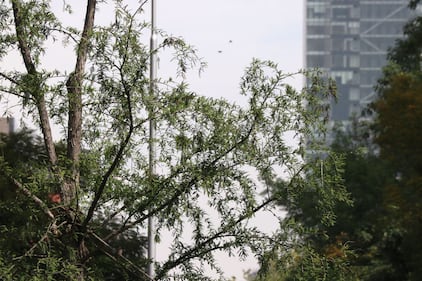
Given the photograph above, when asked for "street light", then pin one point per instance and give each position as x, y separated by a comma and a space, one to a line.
152, 146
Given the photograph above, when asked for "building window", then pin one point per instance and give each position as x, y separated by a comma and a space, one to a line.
338, 44
316, 44
340, 13
354, 94
353, 27
342, 76
355, 12
316, 61
316, 29
317, 11
339, 28
354, 61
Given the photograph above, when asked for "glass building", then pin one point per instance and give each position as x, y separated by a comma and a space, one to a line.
349, 39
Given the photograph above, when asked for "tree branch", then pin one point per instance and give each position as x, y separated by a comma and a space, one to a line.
16, 94
10, 79
65, 32
198, 249
105, 179
181, 190
109, 250
118, 156
37, 94
33, 197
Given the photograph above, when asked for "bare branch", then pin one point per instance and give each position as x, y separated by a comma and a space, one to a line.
28, 253
105, 179
9, 78
33, 197
112, 216
109, 249
20, 33
155, 211
52, 227
65, 32
8, 91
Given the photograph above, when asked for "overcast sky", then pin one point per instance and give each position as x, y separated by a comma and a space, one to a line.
229, 33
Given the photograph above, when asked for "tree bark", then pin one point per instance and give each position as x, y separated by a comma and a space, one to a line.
74, 88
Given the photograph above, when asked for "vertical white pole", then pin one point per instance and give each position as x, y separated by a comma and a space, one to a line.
152, 125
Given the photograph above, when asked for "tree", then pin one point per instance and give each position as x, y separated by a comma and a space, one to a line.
407, 51
413, 3
366, 241
400, 104
367, 227
205, 148
25, 152
320, 251
318, 220
399, 109
20, 225
376, 237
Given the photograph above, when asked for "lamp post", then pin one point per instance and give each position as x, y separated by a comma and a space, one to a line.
152, 127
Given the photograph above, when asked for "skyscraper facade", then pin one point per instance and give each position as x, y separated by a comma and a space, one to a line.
349, 39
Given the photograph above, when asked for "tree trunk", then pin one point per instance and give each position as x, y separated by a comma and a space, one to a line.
74, 87
74, 138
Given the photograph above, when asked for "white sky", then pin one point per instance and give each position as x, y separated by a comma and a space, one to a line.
264, 29
228, 34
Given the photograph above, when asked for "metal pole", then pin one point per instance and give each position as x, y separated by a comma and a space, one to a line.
152, 145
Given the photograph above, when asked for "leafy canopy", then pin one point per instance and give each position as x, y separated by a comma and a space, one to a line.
206, 149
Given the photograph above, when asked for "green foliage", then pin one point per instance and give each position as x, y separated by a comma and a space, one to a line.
364, 241
413, 3
312, 204
397, 133
375, 238
406, 52
208, 151
26, 249
382, 178
29, 252
305, 264
400, 104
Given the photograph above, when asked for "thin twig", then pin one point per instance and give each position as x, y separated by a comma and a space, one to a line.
65, 32
28, 253
108, 246
34, 198
9, 78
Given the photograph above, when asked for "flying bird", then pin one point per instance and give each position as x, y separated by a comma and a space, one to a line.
220, 51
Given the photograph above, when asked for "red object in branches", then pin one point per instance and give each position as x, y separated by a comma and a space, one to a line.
55, 197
